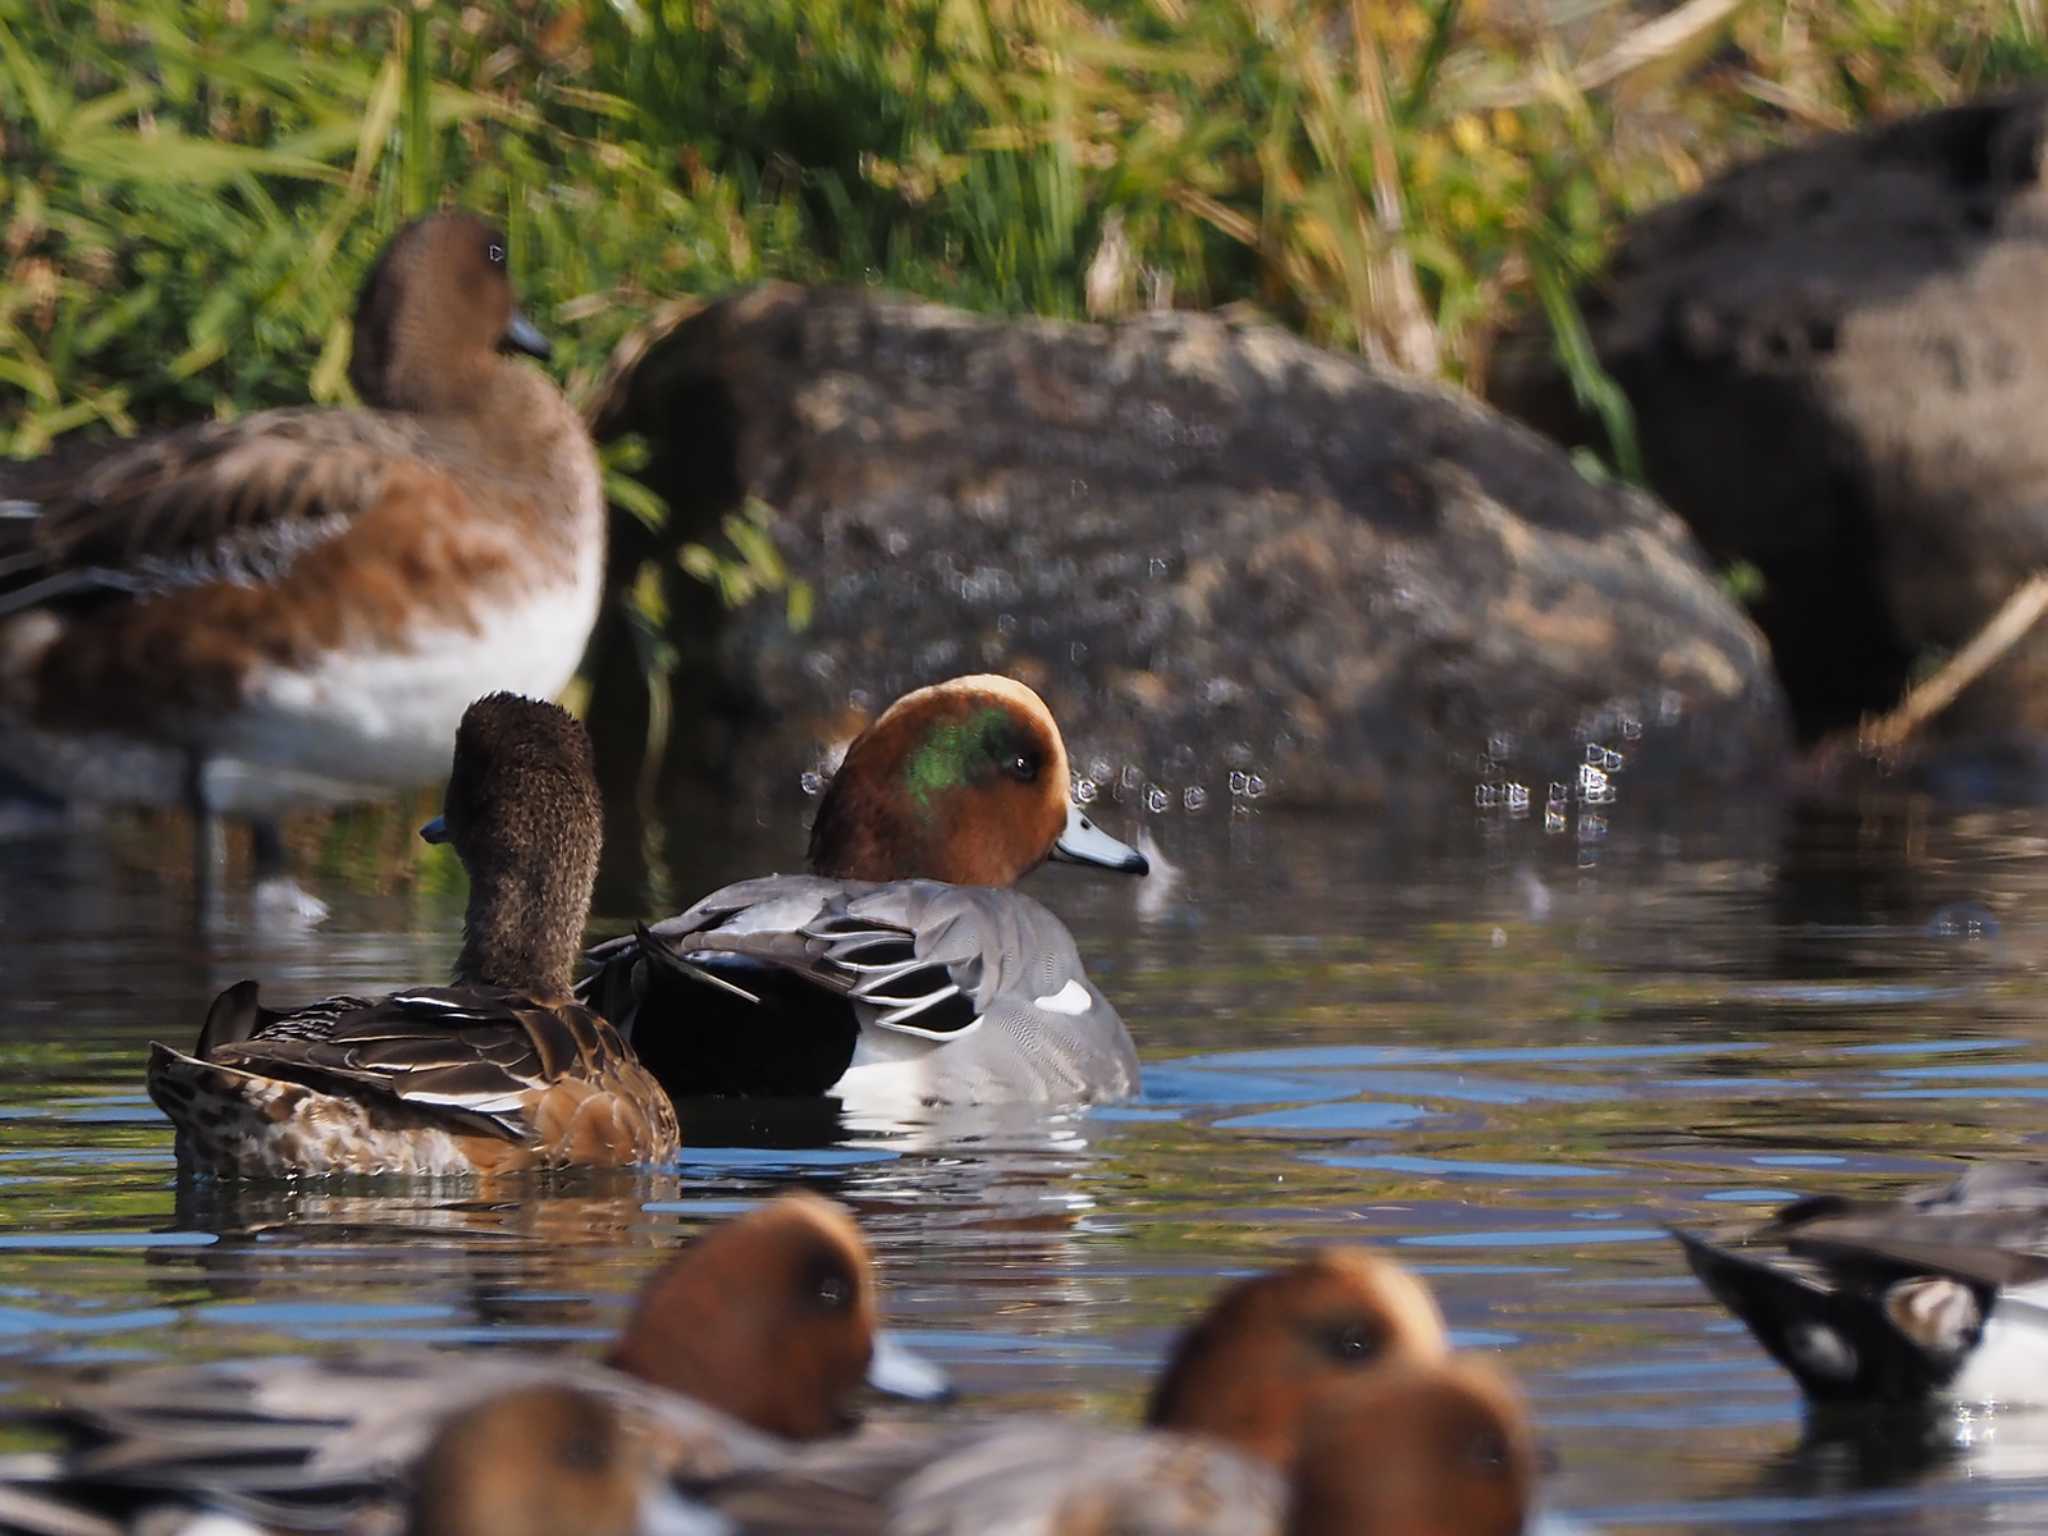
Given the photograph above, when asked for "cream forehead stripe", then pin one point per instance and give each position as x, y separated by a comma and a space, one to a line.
1006, 689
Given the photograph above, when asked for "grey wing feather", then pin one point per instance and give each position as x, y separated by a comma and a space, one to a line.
1030, 1479
303, 1444
919, 957
1990, 1225
989, 943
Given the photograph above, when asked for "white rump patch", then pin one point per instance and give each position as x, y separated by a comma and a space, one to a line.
1072, 999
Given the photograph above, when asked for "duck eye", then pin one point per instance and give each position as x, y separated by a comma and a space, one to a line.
1350, 1343
834, 1293
1488, 1451
494, 253
1021, 766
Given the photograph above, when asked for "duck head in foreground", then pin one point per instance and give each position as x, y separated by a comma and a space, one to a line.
499, 1071
772, 1317
903, 972
1245, 1372
545, 1460
1434, 1448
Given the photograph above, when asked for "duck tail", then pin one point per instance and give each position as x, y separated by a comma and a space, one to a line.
185, 1086
665, 961
231, 1020
1840, 1344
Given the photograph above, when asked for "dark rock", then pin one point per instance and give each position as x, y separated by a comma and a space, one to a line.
1220, 553
1838, 357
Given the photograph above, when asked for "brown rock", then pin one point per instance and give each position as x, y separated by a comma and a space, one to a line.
1219, 552
1838, 357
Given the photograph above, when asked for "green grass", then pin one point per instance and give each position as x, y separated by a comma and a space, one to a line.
192, 192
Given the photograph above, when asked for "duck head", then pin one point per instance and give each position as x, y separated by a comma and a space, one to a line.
1438, 1448
523, 811
772, 1318
543, 1460
1247, 1370
965, 781
434, 311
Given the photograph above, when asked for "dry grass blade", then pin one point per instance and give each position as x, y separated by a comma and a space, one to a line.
1666, 42
1411, 332
2013, 622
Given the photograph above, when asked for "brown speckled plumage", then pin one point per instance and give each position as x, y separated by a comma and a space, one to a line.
174, 574
497, 1072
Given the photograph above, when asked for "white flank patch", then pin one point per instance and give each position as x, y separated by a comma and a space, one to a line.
354, 726
2010, 1365
1072, 1000
388, 718
889, 1078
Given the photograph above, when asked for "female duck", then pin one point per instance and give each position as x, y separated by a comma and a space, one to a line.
500, 1071
902, 971
1940, 1294
295, 607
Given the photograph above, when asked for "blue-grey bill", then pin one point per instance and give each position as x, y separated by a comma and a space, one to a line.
435, 831
896, 1372
522, 335
1085, 843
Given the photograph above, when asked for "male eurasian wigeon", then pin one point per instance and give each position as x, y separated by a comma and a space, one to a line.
761, 1333
1225, 1423
294, 608
502, 1070
903, 971
1939, 1294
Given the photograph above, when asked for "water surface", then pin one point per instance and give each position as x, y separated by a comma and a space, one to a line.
1506, 1055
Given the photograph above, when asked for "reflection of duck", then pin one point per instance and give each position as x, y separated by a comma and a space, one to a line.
500, 1071
761, 1332
294, 608
1942, 1293
903, 971
527, 1256
1229, 1415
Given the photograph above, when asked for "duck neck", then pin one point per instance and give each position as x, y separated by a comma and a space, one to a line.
524, 927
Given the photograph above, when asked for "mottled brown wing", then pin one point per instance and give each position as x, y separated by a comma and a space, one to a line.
227, 501
472, 1054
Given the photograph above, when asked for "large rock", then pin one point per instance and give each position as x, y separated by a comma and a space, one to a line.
1838, 358
1229, 560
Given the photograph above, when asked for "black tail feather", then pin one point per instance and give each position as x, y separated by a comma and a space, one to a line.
1839, 1344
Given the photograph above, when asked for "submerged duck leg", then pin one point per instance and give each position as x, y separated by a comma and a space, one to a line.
209, 840
279, 897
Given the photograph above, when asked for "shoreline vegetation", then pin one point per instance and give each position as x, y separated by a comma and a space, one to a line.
193, 192
189, 195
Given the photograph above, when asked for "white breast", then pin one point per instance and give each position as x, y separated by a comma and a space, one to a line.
2010, 1364
359, 723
